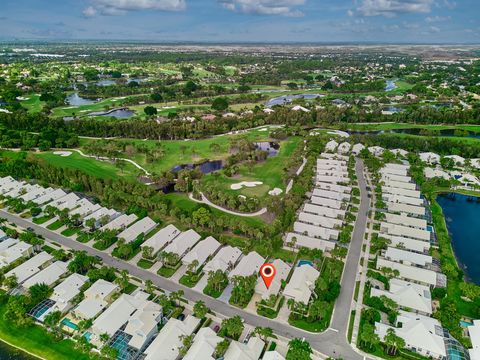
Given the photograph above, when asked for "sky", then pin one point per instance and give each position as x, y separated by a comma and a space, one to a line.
322, 21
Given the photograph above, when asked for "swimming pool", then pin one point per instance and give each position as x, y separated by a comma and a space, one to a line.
68, 323
464, 323
304, 262
88, 336
430, 228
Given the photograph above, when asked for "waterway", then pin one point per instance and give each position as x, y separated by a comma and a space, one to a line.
285, 99
8, 352
461, 214
390, 85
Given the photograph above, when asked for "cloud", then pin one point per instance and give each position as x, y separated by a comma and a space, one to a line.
391, 8
437, 19
121, 7
264, 7
434, 29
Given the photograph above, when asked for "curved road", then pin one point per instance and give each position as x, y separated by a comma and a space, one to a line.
332, 343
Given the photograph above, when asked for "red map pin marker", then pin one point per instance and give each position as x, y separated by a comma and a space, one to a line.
267, 272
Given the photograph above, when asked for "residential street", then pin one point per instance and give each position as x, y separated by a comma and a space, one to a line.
332, 343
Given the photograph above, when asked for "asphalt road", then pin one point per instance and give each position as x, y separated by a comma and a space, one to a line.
332, 343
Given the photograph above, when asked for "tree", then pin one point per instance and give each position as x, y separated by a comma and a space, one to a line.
221, 348
39, 292
147, 252
192, 267
11, 282
104, 337
368, 336
123, 280
263, 333
299, 350
82, 262
91, 223
217, 280
200, 310
149, 287
233, 327
109, 352
393, 342
317, 310
187, 341
150, 110
176, 296
220, 104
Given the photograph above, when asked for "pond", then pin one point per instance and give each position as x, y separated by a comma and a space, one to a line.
206, 167
271, 147
419, 131
390, 85
8, 352
123, 113
76, 100
461, 214
282, 100
393, 109
106, 83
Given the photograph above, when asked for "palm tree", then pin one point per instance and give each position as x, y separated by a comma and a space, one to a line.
393, 342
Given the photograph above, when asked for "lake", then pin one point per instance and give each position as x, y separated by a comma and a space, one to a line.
76, 100
116, 113
462, 214
390, 85
282, 100
8, 352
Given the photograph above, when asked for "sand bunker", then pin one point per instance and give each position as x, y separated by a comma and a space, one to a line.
62, 153
275, 192
249, 184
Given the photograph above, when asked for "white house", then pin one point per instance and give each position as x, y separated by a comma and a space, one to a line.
474, 332
331, 194
324, 211
282, 271
68, 201
241, 351
344, 148
318, 220
204, 345
65, 292
430, 158
166, 345
162, 238
357, 148
272, 355
458, 160
183, 243
407, 243
401, 192
51, 196
224, 260
248, 265
143, 226
12, 249
408, 295
334, 204
334, 187
96, 299
30, 267
129, 309
301, 284
405, 231
315, 231
202, 251
407, 257
120, 223
406, 221
310, 242
331, 146
411, 273
418, 211
422, 334
376, 150
48, 276
431, 173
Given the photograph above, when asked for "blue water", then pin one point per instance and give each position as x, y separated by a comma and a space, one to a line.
462, 214
305, 262
390, 85
285, 99
88, 336
8, 352
430, 228
465, 323
69, 324
76, 100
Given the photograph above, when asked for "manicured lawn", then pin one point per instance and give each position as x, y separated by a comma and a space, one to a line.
398, 126
70, 231
166, 271
33, 103
41, 219
97, 168
213, 293
84, 237
145, 264
55, 225
130, 288
37, 340
190, 280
